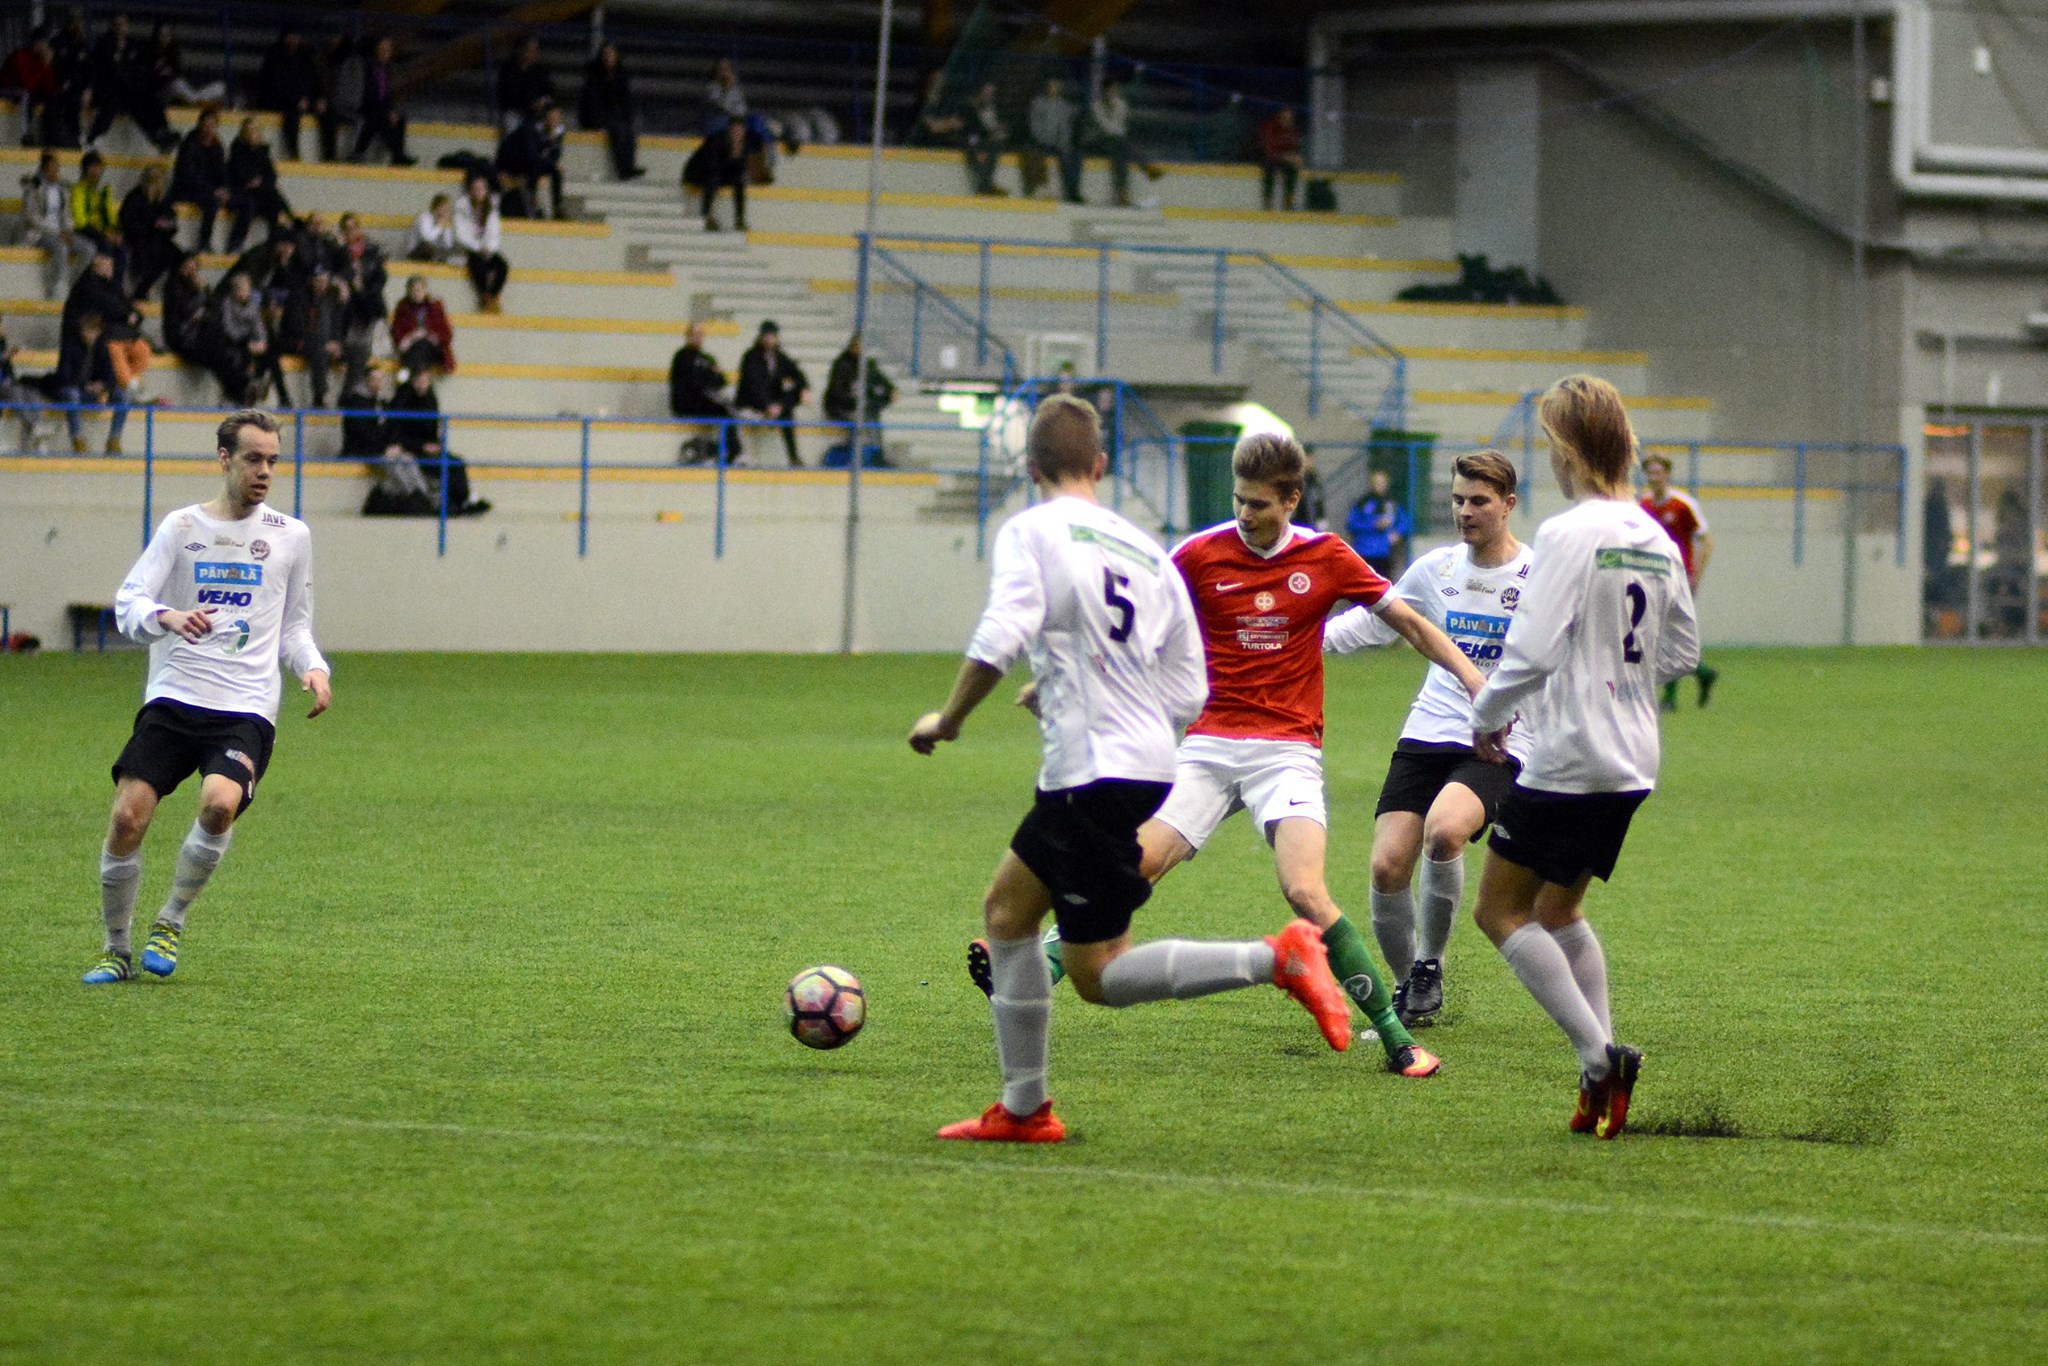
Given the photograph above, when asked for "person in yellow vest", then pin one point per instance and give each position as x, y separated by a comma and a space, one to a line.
94, 215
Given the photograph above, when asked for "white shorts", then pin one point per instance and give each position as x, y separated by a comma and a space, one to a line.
1272, 779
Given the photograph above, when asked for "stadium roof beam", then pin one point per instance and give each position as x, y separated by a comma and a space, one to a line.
1539, 14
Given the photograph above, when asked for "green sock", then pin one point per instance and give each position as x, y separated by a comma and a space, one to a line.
1351, 963
1671, 694
1052, 955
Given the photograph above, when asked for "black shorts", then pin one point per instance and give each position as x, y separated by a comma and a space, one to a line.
1562, 836
1082, 843
172, 741
1421, 768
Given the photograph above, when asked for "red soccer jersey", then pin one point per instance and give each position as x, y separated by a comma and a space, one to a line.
1680, 517
1262, 627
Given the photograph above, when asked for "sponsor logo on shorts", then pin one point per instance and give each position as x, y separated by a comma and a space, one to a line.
1264, 602
1074, 899
244, 760
1297, 582
259, 550
196, 546
214, 571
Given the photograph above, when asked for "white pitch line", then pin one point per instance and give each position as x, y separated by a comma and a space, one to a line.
1786, 1223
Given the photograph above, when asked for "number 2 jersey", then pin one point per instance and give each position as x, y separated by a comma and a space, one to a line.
1607, 619
257, 575
1262, 615
1473, 605
1110, 634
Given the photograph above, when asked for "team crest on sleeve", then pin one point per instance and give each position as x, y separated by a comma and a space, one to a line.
1297, 582
259, 550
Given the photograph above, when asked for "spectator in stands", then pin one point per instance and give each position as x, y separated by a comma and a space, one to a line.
1379, 526
319, 245
71, 55
608, 104
724, 100
840, 403
252, 184
359, 264
366, 433
530, 155
1052, 136
1109, 116
293, 84
199, 176
273, 267
149, 228
46, 209
987, 135
377, 115
322, 330
84, 377
245, 363
420, 333
1279, 146
30, 77
122, 83
16, 395
187, 315
721, 159
99, 293
694, 382
415, 424
478, 231
935, 123
772, 385
523, 83
167, 68
93, 217
433, 233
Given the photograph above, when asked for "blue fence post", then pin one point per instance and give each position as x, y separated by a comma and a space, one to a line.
441, 458
1692, 468
1169, 446
981, 315
1216, 333
148, 473
1899, 554
1799, 504
981, 497
1315, 355
917, 331
298, 462
1102, 309
583, 495
1414, 503
727, 437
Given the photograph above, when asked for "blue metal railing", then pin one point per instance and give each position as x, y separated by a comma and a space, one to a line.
932, 316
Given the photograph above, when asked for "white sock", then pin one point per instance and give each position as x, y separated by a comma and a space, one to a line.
1443, 887
1182, 969
120, 876
1589, 967
198, 856
1393, 924
1020, 998
1545, 971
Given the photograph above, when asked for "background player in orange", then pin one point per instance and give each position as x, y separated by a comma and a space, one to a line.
1678, 512
1262, 589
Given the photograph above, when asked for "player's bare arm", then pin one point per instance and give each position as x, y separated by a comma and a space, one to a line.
1430, 643
976, 681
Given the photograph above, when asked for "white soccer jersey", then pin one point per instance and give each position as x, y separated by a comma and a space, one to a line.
1106, 620
258, 575
1608, 618
1471, 604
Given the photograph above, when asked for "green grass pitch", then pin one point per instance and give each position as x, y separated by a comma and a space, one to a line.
475, 1051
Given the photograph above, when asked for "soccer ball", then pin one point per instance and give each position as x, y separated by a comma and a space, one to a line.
825, 1006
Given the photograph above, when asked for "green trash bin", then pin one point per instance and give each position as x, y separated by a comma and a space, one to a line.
1208, 446
1402, 454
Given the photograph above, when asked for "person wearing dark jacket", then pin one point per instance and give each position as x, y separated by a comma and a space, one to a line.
186, 301
322, 330
71, 59
721, 159
415, 424
608, 104
359, 264
522, 84
252, 184
772, 386
377, 114
199, 176
31, 71
123, 83
149, 228
840, 403
292, 82
531, 154
694, 381
367, 434
98, 292
85, 376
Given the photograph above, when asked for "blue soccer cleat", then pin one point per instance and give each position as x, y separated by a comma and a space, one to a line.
110, 967
160, 954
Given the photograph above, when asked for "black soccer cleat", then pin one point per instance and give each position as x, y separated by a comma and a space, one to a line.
978, 969
1708, 678
1423, 993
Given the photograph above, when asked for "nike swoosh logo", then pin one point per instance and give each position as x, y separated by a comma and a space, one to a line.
1226, 587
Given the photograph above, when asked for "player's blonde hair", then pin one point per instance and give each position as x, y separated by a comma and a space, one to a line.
1066, 438
1584, 418
1273, 460
1488, 467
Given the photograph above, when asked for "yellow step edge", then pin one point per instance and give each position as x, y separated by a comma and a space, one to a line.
1508, 398
1189, 214
777, 194
1410, 309
1485, 353
535, 322
845, 242
1413, 265
946, 156
336, 467
639, 279
1037, 293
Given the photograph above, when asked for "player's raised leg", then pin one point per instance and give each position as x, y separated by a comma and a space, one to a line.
135, 804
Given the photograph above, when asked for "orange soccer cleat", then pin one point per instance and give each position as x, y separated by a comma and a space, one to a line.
1413, 1060
1301, 968
1624, 1064
1587, 1112
997, 1125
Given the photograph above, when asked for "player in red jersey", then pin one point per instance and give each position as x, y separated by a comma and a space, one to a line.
1262, 589
1678, 512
